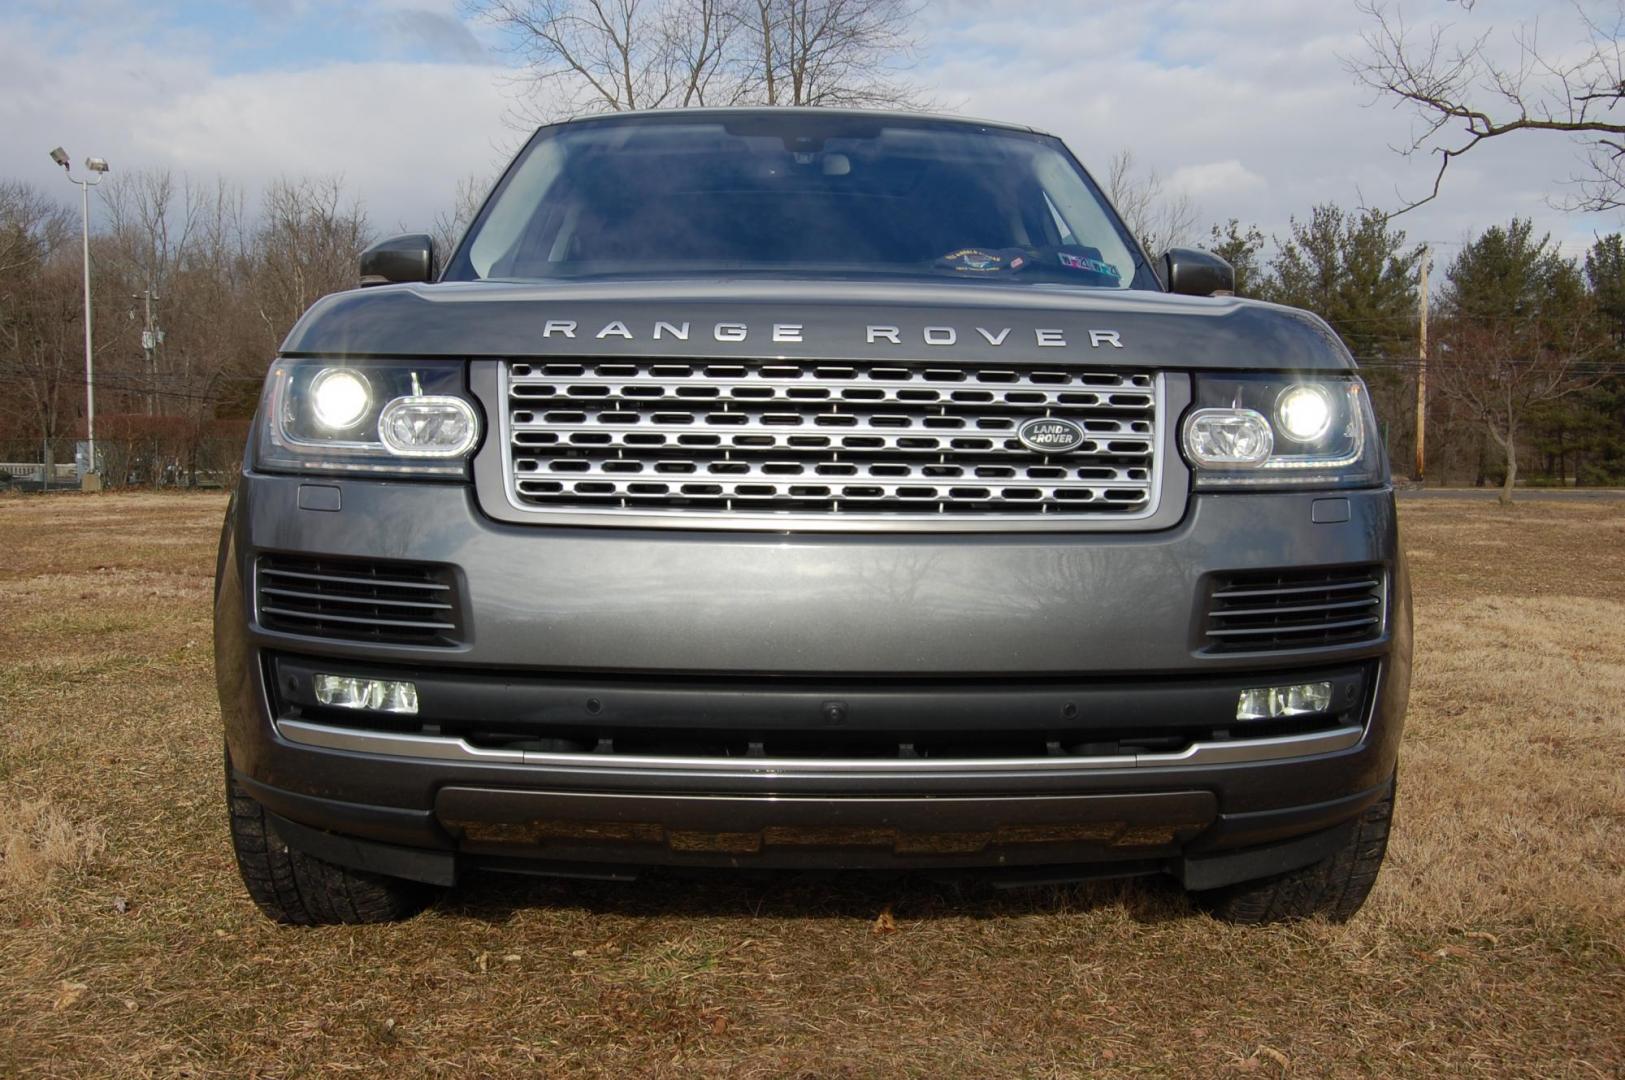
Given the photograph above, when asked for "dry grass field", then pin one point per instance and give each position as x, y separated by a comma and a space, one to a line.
1493, 946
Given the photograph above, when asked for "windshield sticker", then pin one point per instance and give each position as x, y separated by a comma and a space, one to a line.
974, 260
982, 261
1091, 264
978, 261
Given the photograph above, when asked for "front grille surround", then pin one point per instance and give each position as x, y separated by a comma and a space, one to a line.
826, 443
370, 601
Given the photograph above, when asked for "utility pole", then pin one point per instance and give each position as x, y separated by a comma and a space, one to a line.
151, 338
1422, 367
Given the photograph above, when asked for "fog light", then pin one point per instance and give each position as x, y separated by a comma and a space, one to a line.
1232, 438
1272, 702
379, 695
339, 397
422, 426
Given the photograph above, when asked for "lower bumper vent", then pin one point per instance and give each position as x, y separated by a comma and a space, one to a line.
1266, 610
395, 603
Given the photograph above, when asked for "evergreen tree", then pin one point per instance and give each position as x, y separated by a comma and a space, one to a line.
1597, 418
1242, 249
1355, 272
1517, 323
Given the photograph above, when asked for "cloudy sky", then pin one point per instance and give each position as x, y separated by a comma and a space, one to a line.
1243, 104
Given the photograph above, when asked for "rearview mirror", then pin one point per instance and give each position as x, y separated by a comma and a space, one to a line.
1197, 273
398, 259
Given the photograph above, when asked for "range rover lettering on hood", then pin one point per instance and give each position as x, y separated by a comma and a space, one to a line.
796, 333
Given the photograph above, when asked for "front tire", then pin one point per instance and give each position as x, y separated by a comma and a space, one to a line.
1333, 888
292, 887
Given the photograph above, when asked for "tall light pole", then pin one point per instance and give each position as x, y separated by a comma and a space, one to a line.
1422, 366
98, 167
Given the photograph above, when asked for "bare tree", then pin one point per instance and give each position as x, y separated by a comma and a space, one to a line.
215, 345
39, 361
150, 221
826, 52
617, 55
613, 55
309, 241
1491, 373
31, 223
40, 309
449, 227
1516, 334
1467, 90
699, 39
1159, 218
231, 283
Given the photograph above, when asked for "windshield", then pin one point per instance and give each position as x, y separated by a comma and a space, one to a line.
800, 193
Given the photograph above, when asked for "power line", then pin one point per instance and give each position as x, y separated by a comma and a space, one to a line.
136, 388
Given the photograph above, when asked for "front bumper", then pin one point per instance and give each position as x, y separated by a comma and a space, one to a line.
944, 632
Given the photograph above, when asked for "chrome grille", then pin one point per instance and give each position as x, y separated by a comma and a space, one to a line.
882, 440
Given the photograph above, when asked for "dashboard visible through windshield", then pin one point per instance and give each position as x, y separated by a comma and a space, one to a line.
801, 193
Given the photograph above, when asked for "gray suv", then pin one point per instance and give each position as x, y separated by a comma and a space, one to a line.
808, 488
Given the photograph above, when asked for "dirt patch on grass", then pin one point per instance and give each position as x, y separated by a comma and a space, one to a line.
1492, 946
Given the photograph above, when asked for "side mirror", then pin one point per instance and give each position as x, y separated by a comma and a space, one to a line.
398, 259
1197, 273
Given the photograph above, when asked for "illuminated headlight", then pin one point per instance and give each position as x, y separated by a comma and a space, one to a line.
1262, 430
1274, 702
376, 695
1304, 412
339, 398
395, 418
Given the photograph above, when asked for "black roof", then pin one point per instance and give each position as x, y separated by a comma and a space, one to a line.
707, 113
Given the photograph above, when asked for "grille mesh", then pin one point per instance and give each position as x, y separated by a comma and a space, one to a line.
357, 600
1295, 609
849, 438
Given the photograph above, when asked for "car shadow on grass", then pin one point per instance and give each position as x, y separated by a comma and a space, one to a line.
784, 894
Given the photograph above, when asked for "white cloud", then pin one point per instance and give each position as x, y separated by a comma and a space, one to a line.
1247, 102
400, 133
1216, 179
1243, 104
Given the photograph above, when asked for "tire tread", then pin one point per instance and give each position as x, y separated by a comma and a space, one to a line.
292, 887
1334, 888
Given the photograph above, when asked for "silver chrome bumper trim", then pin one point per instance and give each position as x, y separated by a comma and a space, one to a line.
438, 748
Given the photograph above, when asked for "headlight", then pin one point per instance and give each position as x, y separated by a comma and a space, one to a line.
1215, 438
339, 398
404, 418
1259, 430
1304, 413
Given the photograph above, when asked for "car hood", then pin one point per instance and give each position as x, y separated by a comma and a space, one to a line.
823, 319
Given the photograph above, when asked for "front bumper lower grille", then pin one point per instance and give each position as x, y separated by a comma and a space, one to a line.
1295, 609
756, 725
387, 603
813, 438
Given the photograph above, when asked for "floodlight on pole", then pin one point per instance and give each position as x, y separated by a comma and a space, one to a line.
98, 166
